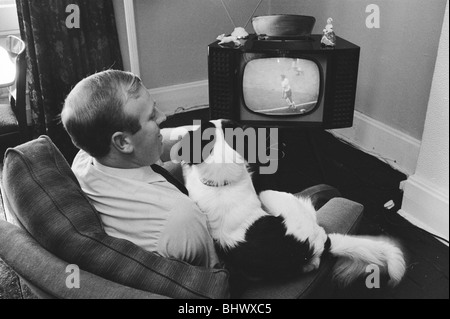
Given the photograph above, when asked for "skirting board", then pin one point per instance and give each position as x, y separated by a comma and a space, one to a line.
425, 206
177, 98
398, 149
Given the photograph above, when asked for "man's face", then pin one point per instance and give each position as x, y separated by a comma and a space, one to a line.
147, 142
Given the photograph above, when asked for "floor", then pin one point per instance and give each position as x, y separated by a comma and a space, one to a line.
310, 158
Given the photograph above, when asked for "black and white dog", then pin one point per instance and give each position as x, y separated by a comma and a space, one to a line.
272, 234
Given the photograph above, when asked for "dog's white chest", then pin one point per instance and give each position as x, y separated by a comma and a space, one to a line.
230, 209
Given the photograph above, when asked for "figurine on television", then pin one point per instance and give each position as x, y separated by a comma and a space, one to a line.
233, 40
329, 37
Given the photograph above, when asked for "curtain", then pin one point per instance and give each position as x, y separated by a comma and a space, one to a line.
58, 57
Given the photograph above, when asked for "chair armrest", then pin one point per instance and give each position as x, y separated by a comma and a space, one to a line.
46, 274
340, 215
319, 194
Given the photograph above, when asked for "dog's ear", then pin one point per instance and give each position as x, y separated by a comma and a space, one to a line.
241, 140
227, 123
197, 144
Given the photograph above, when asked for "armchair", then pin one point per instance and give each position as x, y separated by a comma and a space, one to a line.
56, 226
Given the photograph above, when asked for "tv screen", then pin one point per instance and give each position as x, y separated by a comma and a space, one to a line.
284, 83
281, 86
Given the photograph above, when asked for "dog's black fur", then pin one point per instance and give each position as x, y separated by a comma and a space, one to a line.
267, 252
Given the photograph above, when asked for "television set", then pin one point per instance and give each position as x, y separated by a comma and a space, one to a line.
284, 82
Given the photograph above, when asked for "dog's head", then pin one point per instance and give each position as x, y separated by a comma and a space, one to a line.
218, 141
216, 147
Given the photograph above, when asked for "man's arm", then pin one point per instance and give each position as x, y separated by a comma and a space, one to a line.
186, 238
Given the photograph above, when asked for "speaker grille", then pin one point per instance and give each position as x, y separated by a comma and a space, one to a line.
221, 83
345, 87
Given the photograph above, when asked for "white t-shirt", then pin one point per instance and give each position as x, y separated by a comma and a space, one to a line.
285, 85
143, 207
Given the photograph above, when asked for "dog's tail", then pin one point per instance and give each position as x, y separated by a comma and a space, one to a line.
357, 253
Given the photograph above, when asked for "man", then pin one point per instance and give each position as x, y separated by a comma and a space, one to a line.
287, 91
112, 118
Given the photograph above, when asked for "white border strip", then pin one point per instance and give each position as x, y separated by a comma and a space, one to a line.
400, 150
426, 206
187, 96
130, 22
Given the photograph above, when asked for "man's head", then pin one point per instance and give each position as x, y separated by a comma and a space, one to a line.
111, 115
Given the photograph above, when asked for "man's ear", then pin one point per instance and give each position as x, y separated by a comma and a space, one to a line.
122, 143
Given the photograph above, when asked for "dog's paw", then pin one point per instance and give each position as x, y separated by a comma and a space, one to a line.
275, 203
313, 265
269, 202
309, 268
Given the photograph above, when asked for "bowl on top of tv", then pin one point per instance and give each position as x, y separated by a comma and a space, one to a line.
283, 25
